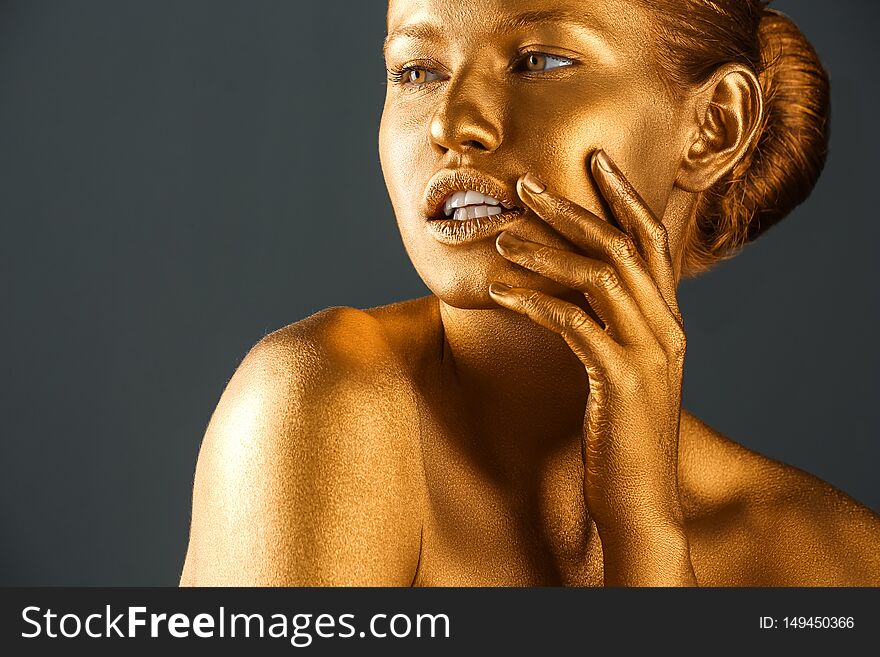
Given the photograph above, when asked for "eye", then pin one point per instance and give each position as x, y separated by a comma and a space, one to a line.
414, 76
537, 61
420, 76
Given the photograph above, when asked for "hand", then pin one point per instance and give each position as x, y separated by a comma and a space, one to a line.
634, 361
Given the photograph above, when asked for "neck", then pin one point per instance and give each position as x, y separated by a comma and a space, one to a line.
521, 384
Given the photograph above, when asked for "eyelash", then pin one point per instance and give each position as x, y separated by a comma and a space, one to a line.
397, 75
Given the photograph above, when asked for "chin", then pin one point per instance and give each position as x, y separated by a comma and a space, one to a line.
461, 279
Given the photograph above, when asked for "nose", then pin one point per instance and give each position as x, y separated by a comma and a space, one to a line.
467, 120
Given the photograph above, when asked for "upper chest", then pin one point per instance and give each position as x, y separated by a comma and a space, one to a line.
488, 523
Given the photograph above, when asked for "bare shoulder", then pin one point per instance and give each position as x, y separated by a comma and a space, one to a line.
310, 472
754, 521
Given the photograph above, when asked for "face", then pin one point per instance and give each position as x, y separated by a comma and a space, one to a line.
479, 93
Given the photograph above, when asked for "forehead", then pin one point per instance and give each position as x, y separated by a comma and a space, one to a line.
603, 14
622, 23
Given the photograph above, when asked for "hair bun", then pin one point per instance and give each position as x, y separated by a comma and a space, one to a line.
788, 155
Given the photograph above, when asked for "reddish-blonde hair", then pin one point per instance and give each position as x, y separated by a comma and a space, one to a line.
791, 144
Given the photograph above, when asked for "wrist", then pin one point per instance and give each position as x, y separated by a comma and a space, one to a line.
640, 516
655, 554
654, 535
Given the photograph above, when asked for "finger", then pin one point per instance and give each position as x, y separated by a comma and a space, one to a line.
578, 225
639, 221
600, 239
595, 348
596, 279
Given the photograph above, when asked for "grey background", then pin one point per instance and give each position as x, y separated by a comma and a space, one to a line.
178, 178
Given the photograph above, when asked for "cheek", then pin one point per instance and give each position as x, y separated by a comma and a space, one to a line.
407, 162
404, 135
407, 165
560, 134
650, 158
396, 154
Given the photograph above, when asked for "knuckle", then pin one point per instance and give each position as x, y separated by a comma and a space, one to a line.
562, 206
605, 277
541, 256
652, 370
659, 364
623, 248
532, 300
677, 342
573, 319
629, 378
659, 235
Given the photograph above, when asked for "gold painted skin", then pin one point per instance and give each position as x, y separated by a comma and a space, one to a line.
439, 441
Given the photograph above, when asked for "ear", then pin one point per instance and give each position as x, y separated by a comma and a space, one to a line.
728, 111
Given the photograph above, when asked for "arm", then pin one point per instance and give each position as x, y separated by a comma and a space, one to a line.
306, 475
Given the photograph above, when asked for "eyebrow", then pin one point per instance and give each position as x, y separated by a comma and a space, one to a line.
429, 31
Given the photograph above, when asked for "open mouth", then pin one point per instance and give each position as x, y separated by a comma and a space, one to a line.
470, 205
463, 205
467, 216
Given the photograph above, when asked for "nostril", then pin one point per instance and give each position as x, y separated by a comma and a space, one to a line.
473, 143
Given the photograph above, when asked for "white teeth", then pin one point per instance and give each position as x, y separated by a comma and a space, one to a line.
473, 198
469, 198
475, 212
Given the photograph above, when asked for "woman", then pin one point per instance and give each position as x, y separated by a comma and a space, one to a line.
555, 169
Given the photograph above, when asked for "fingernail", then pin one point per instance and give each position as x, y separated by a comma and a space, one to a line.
604, 161
499, 289
507, 240
532, 183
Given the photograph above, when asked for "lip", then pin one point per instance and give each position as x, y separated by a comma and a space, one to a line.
450, 231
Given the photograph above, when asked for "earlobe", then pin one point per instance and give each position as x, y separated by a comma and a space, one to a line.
729, 114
